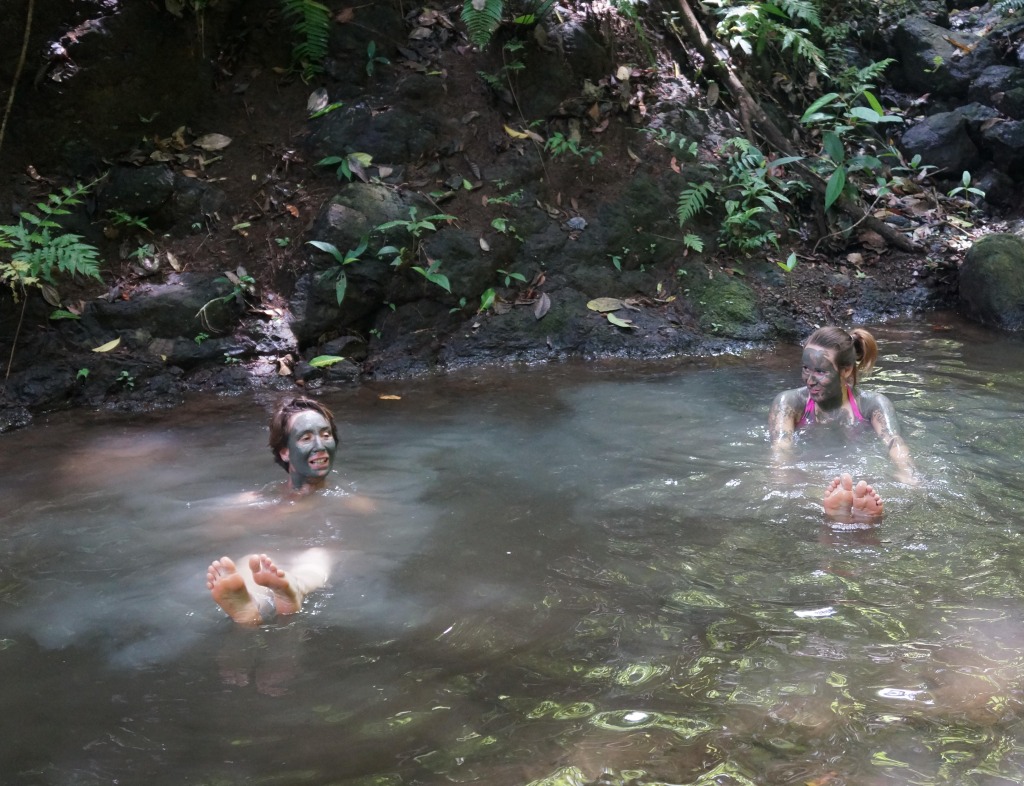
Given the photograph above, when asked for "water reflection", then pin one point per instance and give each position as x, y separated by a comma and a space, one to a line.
567, 576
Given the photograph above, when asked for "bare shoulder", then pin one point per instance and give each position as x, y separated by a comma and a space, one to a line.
790, 399
784, 414
870, 401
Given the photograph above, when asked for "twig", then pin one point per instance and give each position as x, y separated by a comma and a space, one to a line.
14, 341
17, 73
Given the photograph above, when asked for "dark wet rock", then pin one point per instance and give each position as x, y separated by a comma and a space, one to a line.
12, 418
193, 203
398, 133
992, 281
942, 140
1005, 143
137, 191
1001, 87
1000, 189
929, 63
186, 305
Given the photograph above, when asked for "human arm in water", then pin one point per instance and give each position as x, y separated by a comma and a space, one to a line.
878, 409
783, 417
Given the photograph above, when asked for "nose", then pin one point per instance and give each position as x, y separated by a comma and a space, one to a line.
318, 443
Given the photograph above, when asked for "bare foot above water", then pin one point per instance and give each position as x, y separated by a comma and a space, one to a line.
287, 599
228, 588
843, 498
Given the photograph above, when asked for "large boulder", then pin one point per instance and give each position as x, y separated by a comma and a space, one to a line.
931, 59
943, 141
992, 281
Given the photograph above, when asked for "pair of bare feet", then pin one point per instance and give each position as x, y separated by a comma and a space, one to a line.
253, 593
843, 499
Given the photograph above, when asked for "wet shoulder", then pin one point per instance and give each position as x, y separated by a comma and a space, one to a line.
868, 401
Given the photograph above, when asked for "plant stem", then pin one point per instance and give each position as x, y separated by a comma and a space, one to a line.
17, 74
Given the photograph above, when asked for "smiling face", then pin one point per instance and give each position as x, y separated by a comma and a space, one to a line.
823, 380
311, 448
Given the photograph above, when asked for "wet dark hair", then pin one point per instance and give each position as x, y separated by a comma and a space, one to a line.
279, 423
856, 349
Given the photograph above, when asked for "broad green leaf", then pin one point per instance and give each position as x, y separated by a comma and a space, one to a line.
813, 109
61, 313
358, 250
323, 361
442, 281
328, 248
835, 186
340, 286
833, 146
866, 114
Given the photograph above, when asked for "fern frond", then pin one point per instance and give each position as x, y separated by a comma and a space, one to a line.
311, 24
803, 47
692, 200
872, 71
482, 18
801, 9
1009, 6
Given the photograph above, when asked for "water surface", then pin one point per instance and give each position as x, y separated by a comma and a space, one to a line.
554, 576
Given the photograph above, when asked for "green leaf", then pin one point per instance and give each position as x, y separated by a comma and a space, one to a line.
833, 146
442, 281
487, 299
874, 102
866, 114
61, 313
835, 186
328, 248
871, 163
690, 240
340, 285
786, 160
323, 361
812, 113
619, 322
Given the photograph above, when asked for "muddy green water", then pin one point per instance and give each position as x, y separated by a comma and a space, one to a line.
552, 576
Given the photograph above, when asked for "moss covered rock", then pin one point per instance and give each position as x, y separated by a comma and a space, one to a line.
992, 281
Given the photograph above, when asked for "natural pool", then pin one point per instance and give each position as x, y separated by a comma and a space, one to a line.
567, 575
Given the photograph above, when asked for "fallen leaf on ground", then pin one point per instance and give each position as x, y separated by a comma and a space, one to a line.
542, 306
210, 142
603, 304
619, 322
108, 346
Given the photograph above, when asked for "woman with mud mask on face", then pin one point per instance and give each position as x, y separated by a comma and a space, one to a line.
831, 360
303, 439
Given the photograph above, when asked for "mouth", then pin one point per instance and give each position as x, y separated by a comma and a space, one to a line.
319, 461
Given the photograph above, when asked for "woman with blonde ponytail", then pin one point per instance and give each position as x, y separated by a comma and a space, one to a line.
832, 358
